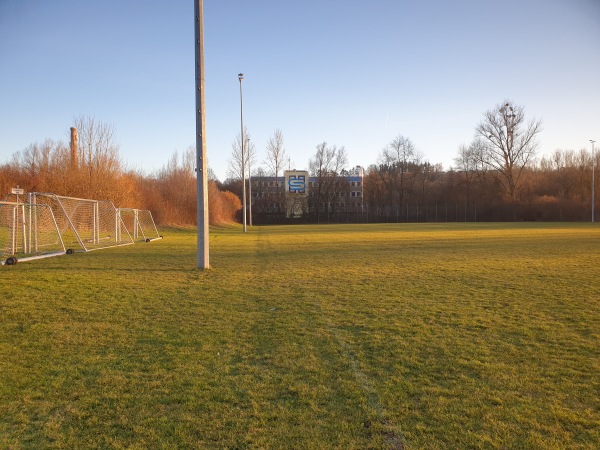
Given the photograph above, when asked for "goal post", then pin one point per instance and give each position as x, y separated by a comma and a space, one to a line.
48, 224
89, 224
140, 224
28, 231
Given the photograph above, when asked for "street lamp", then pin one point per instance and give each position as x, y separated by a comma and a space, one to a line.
592, 141
241, 77
249, 182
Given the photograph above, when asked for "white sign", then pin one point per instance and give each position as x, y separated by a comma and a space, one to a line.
18, 191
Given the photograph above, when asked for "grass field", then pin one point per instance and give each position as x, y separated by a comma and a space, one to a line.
361, 336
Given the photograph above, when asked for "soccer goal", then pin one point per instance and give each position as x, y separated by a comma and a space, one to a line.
140, 224
28, 232
89, 224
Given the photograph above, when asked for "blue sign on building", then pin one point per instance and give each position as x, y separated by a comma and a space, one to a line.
297, 184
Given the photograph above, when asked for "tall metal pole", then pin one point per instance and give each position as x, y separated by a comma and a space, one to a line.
593, 186
241, 77
201, 161
249, 183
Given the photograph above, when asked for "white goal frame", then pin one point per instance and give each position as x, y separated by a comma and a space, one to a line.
91, 224
28, 232
140, 224
48, 225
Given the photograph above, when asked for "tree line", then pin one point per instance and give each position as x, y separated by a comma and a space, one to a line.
496, 177
96, 171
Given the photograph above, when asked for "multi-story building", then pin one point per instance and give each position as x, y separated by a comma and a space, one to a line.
296, 195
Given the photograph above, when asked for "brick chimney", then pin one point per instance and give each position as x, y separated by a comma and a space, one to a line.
74, 153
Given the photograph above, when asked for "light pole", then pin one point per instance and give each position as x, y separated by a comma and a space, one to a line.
249, 181
593, 187
241, 77
202, 257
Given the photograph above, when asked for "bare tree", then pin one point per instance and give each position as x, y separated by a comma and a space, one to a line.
234, 165
98, 157
240, 163
175, 189
328, 160
509, 144
42, 167
326, 165
276, 155
36, 162
275, 162
212, 176
466, 163
396, 161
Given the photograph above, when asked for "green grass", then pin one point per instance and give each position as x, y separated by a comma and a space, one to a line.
362, 336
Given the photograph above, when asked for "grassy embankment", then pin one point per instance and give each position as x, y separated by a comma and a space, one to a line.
367, 336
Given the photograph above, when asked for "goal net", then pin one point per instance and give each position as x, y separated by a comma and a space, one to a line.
139, 223
28, 231
90, 224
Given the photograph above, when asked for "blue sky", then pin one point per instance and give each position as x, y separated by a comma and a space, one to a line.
351, 73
